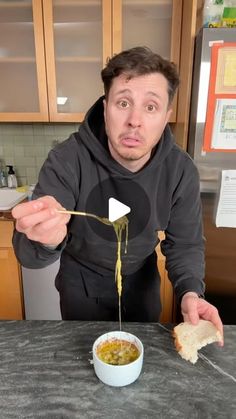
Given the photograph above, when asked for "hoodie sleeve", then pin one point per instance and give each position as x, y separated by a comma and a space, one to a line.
184, 245
59, 177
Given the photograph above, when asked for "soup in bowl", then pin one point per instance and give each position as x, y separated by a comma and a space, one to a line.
118, 358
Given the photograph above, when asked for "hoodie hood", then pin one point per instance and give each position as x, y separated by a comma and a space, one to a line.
93, 135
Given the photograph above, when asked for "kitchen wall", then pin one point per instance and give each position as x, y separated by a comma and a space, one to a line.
25, 146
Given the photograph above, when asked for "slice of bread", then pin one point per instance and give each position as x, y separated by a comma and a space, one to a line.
190, 338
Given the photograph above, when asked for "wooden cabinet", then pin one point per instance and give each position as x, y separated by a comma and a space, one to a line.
191, 22
51, 55
11, 301
166, 291
52, 51
22, 63
77, 44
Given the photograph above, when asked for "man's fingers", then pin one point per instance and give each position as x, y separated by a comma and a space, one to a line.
52, 237
34, 206
40, 220
189, 308
28, 208
215, 319
194, 308
28, 221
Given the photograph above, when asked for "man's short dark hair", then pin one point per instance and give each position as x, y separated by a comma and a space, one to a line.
140, 61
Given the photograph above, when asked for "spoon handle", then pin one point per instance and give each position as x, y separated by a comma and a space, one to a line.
87, 214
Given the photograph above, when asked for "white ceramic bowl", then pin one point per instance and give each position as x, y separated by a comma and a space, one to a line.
118, 375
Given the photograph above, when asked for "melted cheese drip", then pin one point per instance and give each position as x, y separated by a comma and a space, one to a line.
119, 226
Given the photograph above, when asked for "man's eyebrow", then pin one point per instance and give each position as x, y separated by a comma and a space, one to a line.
125, 91
154, 94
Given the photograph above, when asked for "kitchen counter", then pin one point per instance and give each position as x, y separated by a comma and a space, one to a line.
6, 215
45, 372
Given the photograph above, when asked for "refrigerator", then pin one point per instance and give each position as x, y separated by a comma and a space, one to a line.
220, 241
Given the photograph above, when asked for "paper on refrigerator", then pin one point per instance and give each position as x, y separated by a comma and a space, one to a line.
224, 129
226, 209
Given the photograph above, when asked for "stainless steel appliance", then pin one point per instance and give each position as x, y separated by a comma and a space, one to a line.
41, 299
220, 242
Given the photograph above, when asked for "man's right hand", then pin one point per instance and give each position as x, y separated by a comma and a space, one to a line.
40, 221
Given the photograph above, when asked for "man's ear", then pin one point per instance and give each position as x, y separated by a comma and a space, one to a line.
168, 115
104, 109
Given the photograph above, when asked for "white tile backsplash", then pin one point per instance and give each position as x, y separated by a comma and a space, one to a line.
26, 146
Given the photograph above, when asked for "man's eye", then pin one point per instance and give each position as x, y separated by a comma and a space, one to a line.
123, 104
151, 108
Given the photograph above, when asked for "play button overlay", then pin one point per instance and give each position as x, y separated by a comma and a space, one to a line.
114, 198
116, 209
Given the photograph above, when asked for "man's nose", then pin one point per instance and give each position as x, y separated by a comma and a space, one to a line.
134, 118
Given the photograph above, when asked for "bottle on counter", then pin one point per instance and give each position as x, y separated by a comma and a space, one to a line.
3, 179
11, 177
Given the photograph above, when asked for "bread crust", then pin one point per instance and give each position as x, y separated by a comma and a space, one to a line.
176, 341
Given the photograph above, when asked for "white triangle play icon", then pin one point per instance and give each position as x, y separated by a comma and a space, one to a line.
116, 209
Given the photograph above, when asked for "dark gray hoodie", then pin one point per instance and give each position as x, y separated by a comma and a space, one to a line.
164, 195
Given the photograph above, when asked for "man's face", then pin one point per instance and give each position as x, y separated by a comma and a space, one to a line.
136, 113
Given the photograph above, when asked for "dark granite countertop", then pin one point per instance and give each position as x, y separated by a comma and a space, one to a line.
45, 372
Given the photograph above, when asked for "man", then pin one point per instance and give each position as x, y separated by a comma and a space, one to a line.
123, 149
